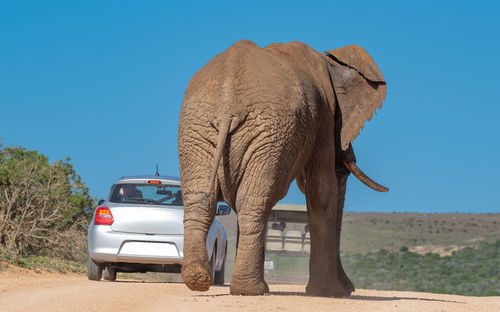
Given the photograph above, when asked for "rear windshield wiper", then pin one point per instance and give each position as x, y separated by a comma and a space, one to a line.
146, 200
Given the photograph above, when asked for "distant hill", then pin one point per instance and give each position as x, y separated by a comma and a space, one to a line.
440, 233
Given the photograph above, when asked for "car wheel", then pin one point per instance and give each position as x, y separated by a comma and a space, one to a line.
212, 264
219, 275
94, 270
109, 274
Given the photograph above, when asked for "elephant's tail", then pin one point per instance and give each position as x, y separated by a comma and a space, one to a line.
226, 97
224, 126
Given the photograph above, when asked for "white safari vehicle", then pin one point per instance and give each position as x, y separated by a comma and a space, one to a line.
139, 228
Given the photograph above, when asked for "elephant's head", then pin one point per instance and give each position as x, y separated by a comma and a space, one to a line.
360, 89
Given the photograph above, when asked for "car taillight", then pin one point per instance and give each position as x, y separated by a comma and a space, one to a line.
103, 216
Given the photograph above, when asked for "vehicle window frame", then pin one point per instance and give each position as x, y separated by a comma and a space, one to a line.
122, 199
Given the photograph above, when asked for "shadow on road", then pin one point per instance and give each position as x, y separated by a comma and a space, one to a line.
378, 298
359, 297
355, 297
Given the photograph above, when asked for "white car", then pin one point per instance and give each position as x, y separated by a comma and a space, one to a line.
139, 228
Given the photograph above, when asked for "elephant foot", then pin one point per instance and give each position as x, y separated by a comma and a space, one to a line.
348, 285
246, 289
328, 288
196, 276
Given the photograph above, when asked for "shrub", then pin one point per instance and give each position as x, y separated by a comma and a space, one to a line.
44, 207
470, 271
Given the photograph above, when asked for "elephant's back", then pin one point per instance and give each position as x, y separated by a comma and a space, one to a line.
258, 79
273, 103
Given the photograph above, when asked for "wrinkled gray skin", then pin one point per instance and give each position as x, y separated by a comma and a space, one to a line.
253, 120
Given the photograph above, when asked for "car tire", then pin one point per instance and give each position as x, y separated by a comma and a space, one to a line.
212, 264
219, 275
109, 274
94, 270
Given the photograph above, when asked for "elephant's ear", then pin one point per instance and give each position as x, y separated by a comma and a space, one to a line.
359, 87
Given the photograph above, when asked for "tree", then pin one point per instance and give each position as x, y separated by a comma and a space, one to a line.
44, 207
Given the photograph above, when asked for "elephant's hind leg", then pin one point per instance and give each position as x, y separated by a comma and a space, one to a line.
248, 276
199, 214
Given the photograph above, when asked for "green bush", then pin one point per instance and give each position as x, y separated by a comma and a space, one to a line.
44, 207
473, 272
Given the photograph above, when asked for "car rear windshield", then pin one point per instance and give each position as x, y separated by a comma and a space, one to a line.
149, 194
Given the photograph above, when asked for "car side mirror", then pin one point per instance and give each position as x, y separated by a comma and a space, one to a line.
223, 210
100, 202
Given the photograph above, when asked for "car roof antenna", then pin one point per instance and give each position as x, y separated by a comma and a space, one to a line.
157, 174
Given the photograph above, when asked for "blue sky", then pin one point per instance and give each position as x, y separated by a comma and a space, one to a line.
102, 82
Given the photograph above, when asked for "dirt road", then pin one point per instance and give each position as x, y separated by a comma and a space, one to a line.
23, 290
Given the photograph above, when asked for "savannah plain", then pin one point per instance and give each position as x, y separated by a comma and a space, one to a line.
440, 233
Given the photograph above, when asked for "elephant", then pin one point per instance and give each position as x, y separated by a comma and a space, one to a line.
253, 120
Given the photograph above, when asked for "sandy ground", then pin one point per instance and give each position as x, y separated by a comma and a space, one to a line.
24, 290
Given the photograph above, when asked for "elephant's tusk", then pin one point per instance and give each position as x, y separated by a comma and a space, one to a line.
354, 169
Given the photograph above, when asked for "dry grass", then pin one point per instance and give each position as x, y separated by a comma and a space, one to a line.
422, 233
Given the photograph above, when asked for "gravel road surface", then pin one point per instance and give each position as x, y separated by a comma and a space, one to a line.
24, 290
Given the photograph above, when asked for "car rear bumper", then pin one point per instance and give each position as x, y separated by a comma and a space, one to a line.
110, 246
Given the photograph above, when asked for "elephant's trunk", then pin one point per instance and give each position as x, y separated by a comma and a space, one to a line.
354, 169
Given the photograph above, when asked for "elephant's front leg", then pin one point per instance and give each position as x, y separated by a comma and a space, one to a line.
342, 175
322, 194
248, 276
199, 212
